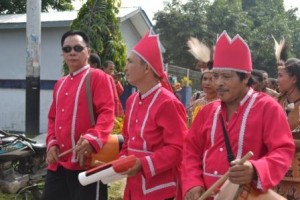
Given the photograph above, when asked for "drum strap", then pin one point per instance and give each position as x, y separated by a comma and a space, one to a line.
89, 97
230, 155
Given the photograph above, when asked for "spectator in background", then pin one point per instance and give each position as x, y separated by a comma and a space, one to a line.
273, 84
265, 88
257, 77
289, 87
95, 61
109, 68
207, 95
289, 99
204, 55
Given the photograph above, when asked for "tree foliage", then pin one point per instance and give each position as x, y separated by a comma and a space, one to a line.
256, 21
98, 18
19, 6
175, 24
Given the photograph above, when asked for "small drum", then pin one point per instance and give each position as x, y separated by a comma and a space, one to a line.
230, 191
109, 151
247, 192
289, 187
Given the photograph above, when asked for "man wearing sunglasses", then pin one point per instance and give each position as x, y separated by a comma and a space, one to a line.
70, 127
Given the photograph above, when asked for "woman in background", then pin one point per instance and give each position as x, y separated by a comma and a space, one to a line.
204, 55
207, 95
289, 98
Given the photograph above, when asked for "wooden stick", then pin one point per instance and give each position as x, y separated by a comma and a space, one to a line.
208, 193
65, 153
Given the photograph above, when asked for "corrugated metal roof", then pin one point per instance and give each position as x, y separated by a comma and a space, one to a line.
59, 16
136, 15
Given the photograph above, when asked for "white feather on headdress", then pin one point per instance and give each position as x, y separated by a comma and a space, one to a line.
199, 50
279, 48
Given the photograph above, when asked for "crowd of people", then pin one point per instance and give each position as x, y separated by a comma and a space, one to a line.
235, 113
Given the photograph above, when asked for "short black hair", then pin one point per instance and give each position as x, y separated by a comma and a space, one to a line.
108, 62
95, 59
292, 67
75, 32
263, 71
258, 74
242, 76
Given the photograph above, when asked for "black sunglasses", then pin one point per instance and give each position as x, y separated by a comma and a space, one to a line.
68, 49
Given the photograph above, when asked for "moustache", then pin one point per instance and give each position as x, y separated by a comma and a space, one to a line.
221, 90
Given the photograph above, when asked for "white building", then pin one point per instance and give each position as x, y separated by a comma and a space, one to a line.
133, 25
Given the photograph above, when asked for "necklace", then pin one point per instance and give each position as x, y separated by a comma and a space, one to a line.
289, 106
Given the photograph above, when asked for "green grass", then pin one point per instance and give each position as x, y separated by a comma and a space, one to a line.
116, 189
6, 196
115, 192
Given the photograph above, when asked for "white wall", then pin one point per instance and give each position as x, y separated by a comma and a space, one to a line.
13, 66
130, 35
51, 56
13, 53
12, 104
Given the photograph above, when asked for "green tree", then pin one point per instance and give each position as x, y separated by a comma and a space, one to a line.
294, 27
176, 24
256, 21
228, 15
98, 18
269, 18
19, 6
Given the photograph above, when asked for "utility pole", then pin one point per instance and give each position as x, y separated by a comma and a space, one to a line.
33, 52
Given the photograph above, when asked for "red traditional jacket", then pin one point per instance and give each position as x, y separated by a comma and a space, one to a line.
154, 130
69, 117
119, 88
116, 90
259, 125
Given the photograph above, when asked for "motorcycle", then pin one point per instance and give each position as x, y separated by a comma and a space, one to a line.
22, 165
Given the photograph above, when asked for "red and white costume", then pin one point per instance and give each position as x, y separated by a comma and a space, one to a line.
117, 91
154, 130
259, 125
69, 117
119, 88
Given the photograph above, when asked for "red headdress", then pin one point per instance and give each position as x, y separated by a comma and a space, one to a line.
232, 54
149, 49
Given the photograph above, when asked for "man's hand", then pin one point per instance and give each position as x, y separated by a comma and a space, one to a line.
52, 155
83, 150
241, 174
135, 169
194, 193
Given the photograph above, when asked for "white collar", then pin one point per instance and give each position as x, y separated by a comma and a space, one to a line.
143, 96
246, 97
79, 70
